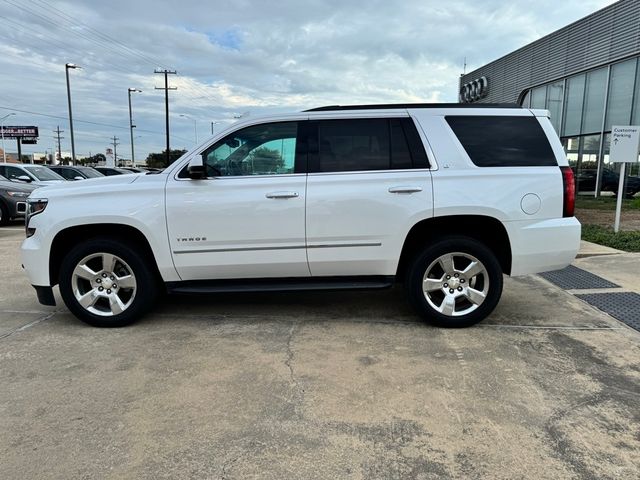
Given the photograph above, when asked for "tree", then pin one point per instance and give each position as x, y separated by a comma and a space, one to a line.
264, 160
98, 158
158, 160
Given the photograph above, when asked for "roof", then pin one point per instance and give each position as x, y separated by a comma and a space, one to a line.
388, 106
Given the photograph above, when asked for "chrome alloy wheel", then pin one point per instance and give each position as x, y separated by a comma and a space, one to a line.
103, 284
455, 284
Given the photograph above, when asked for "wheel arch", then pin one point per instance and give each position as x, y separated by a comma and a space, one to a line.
71, 236
488, 230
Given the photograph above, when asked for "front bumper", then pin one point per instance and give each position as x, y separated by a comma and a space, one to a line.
21, 209
45, 295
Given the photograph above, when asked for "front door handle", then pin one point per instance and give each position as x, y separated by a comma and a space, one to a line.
405, 189
282, 195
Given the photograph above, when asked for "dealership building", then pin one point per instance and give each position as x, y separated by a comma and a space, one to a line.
586, 74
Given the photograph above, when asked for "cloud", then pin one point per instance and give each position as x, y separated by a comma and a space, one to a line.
234, 56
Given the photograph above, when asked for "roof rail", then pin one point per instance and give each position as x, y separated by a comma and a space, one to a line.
384, 106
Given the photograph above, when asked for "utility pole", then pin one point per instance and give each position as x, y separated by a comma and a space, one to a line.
115, 150
132, 126
67, 66
57, 131
166, 89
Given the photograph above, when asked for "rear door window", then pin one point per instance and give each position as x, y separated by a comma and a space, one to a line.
366, 144
503, 141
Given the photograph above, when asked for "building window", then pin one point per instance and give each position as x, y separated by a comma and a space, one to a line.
539, 97
554, 103
635, 113
594, 100
573, 105
621, 83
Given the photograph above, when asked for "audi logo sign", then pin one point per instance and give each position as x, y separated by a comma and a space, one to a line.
472, 91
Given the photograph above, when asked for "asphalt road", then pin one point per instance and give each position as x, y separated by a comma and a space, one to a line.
318, 385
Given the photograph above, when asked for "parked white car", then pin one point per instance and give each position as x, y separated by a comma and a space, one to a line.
38, 175
442, 198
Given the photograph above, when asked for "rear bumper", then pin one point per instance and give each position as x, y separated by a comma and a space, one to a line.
541, 246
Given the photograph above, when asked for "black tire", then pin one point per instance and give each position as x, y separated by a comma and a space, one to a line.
146, 282
448, 245
4, 214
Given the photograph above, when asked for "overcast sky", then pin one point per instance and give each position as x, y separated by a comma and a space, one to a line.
244, 56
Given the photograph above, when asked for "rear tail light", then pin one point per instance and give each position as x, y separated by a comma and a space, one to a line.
569, 192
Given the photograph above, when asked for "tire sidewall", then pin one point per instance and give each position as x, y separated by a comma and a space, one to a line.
146, 284
415, 276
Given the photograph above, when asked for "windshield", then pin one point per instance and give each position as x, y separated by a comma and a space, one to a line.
43, 173
90, 172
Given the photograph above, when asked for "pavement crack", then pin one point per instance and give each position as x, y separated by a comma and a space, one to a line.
28, 325
228, 464
289, 362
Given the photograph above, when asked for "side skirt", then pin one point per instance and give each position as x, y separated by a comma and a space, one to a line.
280, 284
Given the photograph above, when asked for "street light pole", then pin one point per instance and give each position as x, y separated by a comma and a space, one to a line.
212, 124
132, 126
67, 66
195, 125
4, 154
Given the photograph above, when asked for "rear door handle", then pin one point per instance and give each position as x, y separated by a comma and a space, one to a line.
405, 189
282, 195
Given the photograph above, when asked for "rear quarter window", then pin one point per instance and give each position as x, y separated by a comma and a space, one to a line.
503, 141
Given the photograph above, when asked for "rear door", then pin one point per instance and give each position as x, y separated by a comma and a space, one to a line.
368, 184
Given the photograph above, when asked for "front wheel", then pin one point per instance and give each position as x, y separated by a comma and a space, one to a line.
455, 282
105, 283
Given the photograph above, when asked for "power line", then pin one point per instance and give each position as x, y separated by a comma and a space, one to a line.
87, 122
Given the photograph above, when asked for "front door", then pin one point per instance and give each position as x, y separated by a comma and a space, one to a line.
247, 218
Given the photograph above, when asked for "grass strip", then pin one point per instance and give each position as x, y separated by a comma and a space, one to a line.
627, 241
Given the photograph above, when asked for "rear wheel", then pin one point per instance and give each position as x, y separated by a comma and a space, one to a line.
105, 283
455, 282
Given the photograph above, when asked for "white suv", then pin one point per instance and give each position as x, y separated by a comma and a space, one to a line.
442, 198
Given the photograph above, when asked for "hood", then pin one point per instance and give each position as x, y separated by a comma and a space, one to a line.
98, 185
16, 187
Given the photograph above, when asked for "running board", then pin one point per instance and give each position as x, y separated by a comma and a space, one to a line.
280, 284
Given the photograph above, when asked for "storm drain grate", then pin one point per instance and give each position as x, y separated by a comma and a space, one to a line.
574, 278
625, 306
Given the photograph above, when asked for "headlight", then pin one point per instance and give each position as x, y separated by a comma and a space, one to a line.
36, 206
19, 194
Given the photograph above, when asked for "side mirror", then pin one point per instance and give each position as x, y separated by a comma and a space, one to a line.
197, 169
24, 178
78, 177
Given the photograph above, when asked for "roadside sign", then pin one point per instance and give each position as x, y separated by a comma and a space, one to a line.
625, 143
19, 132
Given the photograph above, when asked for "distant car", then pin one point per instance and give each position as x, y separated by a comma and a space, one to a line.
586, 182
135, 169
109, 171
70, 172
13, 199
29, 173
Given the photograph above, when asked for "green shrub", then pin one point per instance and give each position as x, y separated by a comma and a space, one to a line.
627, 241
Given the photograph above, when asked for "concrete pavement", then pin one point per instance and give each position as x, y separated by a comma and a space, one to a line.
319, 385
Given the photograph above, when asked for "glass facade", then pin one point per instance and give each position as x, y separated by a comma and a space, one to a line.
582, 110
